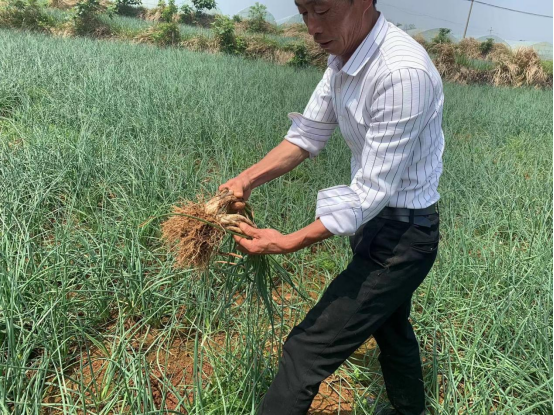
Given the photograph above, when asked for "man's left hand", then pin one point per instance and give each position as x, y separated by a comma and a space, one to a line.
264, 241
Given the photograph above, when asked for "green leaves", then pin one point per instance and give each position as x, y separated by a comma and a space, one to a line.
224, 30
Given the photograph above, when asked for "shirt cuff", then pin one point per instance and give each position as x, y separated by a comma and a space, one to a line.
308, 134
339, 210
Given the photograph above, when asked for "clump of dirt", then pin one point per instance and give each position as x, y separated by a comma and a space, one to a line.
195, 230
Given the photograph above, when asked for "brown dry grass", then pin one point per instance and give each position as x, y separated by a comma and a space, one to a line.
241, 27
295, 30
97, 30
523, 68
258, 48
520, 68
316, 55
421, 40
154, 15
470, 47
68, 4
62, 4
201, 44
445, 60
283, 57
65, 30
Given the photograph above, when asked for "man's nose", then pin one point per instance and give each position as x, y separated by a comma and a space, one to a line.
313, 25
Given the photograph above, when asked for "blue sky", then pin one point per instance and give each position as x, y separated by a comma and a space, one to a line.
430, 14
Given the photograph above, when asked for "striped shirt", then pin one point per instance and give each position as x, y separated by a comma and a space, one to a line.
387, 101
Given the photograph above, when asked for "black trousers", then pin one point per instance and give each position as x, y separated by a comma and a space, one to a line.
371, 297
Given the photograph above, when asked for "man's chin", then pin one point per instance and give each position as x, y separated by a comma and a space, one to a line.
330, 50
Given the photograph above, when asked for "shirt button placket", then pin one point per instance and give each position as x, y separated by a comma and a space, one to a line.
338, 89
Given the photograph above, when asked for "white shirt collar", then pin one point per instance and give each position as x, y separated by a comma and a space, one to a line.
365, 50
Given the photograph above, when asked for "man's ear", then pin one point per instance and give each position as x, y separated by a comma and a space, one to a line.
366, 5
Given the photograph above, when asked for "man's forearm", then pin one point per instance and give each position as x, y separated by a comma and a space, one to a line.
306, 236
282, 159
269, 241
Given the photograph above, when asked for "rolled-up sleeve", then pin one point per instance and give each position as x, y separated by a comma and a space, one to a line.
312, 129
399, 109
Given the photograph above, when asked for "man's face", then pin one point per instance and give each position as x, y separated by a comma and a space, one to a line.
335, 24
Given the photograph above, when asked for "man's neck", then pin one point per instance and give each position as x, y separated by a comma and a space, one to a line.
363, 34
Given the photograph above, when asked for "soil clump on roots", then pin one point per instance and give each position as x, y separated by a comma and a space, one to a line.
195, 230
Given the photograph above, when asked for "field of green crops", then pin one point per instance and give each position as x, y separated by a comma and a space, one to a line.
98, 137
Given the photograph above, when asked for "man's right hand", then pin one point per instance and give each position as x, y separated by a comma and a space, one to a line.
282, 159
241, 187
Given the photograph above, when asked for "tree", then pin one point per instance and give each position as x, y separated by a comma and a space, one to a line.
256, 18
224, 30
443, 36
125, 7
486, 46
169, 11
187, 9
200, 5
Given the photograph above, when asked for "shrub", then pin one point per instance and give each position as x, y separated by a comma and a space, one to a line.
25, 14
442, 37
256, 18
187, 14
200, 5
187, 9
165, 34
547, 68
228, 41
261, 47
237, 18
193, 14
86, 18
130, 10
301, 57
168, 11
486, 47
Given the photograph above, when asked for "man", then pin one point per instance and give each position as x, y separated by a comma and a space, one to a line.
385, 95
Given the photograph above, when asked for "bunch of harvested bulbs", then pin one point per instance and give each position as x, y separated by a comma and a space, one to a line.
195, 230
